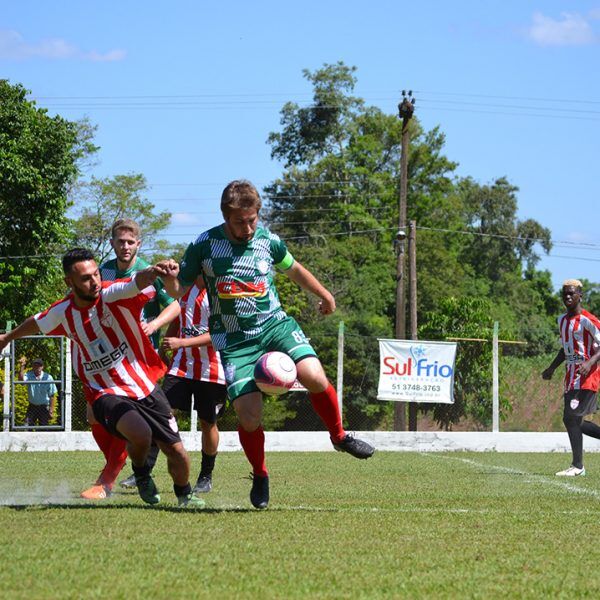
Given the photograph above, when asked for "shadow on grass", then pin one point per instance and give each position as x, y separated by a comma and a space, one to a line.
172, 509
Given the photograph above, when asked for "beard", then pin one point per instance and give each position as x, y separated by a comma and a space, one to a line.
83, 294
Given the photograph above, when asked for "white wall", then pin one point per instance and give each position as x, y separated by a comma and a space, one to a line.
319, 441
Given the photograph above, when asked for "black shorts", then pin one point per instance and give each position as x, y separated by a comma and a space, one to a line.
154, 409
579, 403
209, 398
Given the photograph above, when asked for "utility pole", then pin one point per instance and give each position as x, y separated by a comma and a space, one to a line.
405, 111
412, 261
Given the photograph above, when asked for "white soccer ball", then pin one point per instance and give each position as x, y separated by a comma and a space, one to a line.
275, 373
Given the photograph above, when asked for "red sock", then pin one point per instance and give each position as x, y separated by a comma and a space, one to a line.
326, 406
253, 443
115, 453
103, 439
115, 463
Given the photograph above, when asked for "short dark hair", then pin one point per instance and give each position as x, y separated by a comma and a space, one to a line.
73, 256
239, 193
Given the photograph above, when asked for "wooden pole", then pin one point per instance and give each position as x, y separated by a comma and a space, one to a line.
412, 261
405, 110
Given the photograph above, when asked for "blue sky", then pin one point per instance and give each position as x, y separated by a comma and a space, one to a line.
187, 92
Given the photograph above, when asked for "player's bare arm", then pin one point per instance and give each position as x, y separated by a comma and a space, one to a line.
145, 277
174, 343
586, 367
28, 327
168, 314
308, 282
168, 271
558, 360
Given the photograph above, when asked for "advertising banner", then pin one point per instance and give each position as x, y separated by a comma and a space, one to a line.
416, 371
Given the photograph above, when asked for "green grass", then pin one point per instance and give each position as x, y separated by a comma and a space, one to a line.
398, 525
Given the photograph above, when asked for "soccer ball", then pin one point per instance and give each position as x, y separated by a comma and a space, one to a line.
275, 373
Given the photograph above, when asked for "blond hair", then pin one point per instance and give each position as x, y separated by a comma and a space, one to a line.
129, 225
572, 283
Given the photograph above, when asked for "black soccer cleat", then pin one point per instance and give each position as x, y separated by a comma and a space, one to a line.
147, 489
259, 494
355, 447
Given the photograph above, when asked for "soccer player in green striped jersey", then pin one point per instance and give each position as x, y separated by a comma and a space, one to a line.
236, 260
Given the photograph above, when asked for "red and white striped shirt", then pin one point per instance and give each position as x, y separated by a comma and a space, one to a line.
580, 336
202, 363
111, 352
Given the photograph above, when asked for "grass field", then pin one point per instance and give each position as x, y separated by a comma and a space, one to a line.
401, 525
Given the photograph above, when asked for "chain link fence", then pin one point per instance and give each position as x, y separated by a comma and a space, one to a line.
527, 403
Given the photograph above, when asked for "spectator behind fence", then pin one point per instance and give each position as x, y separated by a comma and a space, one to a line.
41, 396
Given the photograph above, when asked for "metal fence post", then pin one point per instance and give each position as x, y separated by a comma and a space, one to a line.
6, 396
193, 420
495, 386
340, 366
68, 374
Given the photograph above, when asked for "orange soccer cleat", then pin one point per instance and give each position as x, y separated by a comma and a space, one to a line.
96, 492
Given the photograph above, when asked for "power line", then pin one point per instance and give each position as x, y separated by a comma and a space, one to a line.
511, 237
560, 243
366, 93
497, 97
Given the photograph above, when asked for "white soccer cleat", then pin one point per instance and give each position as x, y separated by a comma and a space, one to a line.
571, 472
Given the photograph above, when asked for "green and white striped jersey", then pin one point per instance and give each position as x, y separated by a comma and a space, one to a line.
239, 281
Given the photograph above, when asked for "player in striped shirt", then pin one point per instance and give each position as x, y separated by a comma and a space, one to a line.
126, 240
236, 261
580, 336
196, 370
115, 359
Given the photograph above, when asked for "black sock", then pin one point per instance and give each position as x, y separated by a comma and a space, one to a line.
152, 456
141, 471
207, 465
591, 429
573, 425
182, 490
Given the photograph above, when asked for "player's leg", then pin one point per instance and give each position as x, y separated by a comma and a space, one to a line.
178, 462
591, 429
573, 427
129, 482
288, 337
252, 439
576, 404
132, 426
238, 364
115, 454
121, 416
248, 409
158, 415
209, 403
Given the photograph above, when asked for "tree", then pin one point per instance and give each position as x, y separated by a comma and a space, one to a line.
501, 244
39, 157
336, 204
590, 299
465, 318
111, 198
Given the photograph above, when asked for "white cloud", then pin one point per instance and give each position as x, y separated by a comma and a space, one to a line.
14, 47
184, 218
572, 29
595, 13
580, 237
